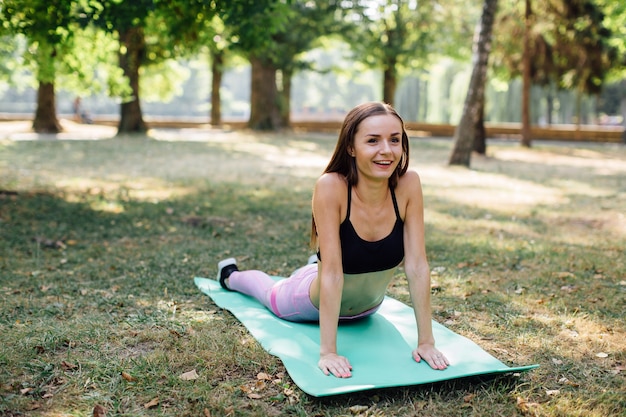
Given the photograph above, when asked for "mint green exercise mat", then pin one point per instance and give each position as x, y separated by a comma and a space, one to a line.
379, 347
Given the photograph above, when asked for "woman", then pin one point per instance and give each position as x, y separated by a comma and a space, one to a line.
367, 219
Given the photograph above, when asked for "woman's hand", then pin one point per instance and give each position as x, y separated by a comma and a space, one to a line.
339, 366
432, 356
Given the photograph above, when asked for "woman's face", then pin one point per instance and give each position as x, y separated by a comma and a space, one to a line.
377, 146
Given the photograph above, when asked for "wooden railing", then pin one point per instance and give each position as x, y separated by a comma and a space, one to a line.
587, 133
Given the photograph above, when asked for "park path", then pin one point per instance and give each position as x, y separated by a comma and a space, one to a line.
21, 130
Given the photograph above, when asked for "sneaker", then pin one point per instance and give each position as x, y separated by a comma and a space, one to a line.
224, 269
312, 260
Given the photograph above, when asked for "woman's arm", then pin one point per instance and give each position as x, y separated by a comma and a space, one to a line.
418, 272
327, 211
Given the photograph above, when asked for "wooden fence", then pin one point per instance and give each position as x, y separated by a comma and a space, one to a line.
586, 133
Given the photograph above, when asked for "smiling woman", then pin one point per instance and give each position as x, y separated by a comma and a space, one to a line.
367, 220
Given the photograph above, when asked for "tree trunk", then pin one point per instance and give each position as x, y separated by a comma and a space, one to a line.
480, 134
526, 132
130, 59
217, 70
389, 84
550, 106
464, 133
623, 110
46, 114
285, 98
264, 111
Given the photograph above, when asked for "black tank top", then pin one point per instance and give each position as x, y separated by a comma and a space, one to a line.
361, 256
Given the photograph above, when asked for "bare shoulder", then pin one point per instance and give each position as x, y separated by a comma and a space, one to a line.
330, 179
329, 201
409, 183
409, 194
330, 184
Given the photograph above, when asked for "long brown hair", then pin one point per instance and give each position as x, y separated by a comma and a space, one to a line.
342, 163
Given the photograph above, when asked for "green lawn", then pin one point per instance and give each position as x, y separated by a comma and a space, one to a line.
100, 241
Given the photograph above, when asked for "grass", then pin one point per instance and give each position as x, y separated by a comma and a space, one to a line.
100, 241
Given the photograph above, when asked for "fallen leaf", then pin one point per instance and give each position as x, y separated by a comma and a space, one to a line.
68, 366
99, 411
152, 403
602, 355
557, 361
128, 376
524, 405
552, 392
263, 376
206, 412
358, 409
254, 396
566, 381
189, 376
468, 398
25, 391
563, 274
33, 406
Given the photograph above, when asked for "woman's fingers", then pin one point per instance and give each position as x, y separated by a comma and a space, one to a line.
432, 356
337, 365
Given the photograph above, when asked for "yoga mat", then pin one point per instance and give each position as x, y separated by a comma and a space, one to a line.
379, 347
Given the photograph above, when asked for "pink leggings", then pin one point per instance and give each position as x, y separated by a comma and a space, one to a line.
287, 298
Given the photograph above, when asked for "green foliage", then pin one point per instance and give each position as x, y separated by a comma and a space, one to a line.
163, 81
571, 46
408, 33
48, 28
615, 21
253, 24
305, 24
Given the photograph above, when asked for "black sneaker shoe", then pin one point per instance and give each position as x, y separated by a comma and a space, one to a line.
224, 269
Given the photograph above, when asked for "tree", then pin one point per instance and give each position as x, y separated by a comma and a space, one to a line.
399, 36
464, 133
526, 74
253, 25
615, 20
564, 44
48, 28
149, 32
307, 23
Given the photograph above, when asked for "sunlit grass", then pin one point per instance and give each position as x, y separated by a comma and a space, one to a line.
100, 241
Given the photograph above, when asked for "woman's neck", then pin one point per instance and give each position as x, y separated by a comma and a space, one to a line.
372, 192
